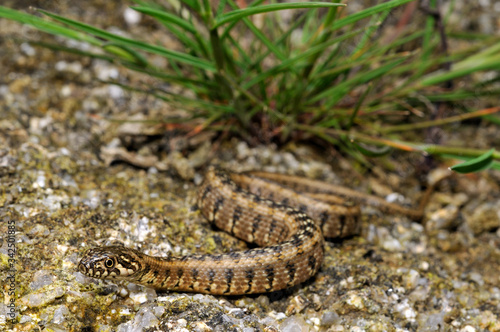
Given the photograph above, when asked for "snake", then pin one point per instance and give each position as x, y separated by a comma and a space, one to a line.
286, 218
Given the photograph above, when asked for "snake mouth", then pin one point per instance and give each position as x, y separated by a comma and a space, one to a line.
90, 269
82, 268
85, 268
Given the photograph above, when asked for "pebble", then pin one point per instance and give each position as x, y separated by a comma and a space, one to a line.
329, 318
104, 71
60, 314
432, 322
74, 67
34, 300
410, 279
248, 329
405, 310
116, 92
142, 320
355, 301
39, 230
142, 229
298, 303
181, 165
444, 218
131, 17
392, 244
294, 324
201, 327
424, 266
42, 278
138, 297
51, 327
419, 294
484, 218
477, 278
103, 328
27, 49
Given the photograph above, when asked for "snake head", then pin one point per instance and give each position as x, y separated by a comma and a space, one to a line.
110, 263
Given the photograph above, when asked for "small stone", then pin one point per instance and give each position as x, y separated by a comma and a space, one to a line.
405, 310
391, 244
410, 279
477, 278
60, 314
424, 266
329, 318
297, 304
131, 17
263, 300
242, 150
317, 302
294, 324
39, 230
355, 301
181, 165
203, 327
248, 329
444, 218
116, 92
35, 300
140, 297
103, 328
484, 218
432, 322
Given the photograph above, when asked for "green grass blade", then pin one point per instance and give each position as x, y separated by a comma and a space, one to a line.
126, 53
238, 14
174, 55
374, 24
462, 69
477, 164
259, 34
202, 86
58, 47
337, 92
166, 17
194, 4
46, 26
492, 119
291, 62
172, 23
353, 18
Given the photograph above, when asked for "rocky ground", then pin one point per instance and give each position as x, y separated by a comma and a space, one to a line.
72, 176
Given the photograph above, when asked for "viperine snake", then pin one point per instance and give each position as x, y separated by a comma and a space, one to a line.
286, 216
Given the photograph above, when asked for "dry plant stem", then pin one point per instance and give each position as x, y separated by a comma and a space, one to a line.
439, 122
401, 145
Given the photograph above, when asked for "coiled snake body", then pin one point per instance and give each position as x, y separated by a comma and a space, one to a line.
288, 226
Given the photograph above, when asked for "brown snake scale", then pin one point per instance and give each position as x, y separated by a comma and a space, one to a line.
290, 239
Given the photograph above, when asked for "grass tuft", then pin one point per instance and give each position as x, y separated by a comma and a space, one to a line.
339, 77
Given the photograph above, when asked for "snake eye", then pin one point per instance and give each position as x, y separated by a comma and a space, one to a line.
109, 263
